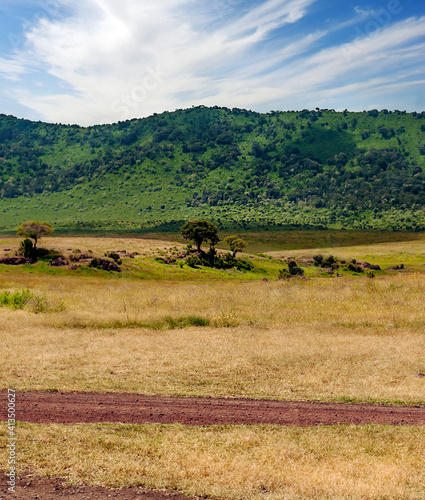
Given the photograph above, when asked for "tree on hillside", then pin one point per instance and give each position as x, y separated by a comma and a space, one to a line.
34, 229
235, 243
200, 231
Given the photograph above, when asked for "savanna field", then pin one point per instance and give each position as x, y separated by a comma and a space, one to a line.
212, 250
169, 329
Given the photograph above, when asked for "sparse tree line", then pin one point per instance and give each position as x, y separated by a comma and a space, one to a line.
199, 232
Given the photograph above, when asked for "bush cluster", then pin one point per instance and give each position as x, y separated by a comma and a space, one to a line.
320, 261
213, 260
27, 250
292, 271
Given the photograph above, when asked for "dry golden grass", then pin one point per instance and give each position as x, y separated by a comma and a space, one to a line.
354, 339
233, 462
98, 245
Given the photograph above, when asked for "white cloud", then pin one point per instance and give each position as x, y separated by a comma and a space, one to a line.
11, 70
135, 57
389, 52
107, 56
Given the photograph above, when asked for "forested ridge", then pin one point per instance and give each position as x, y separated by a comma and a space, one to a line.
314, 167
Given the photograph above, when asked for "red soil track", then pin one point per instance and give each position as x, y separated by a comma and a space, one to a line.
72, 408
30, 487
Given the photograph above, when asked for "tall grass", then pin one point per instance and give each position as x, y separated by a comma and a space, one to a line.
348, 339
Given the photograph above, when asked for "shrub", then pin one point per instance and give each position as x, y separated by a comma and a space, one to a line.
94, 263
193, 261
44, 252
17, 299
293, 269
29, 251
114, 256
244, 265
20, 299
330, 261
26, 249
354, 268
318, 260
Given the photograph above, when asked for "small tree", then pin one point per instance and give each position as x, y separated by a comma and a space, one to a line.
35, 230
200, 231
235, 243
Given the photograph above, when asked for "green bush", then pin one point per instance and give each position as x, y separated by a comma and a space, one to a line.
193, 261
94, 263
354, 268
42, 253
21, 299
244, 265
114, 256
17, 299
318, 260
293, 270
26, 249
330, 261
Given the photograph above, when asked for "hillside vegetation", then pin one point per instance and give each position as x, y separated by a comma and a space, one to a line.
241, 169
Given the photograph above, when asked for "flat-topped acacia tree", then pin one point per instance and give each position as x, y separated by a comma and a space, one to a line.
200, 231
34, 230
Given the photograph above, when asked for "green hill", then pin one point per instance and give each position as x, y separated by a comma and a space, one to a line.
243, 169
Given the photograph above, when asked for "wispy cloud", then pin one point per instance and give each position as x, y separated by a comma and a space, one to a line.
115, 61
10, 69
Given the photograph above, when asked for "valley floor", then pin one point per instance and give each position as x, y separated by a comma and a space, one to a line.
149, 331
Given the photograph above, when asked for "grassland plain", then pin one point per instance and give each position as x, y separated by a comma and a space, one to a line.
327, 339
350, 338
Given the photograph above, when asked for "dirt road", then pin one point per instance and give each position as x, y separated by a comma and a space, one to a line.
70, 408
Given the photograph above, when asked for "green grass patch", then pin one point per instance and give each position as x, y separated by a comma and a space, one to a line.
25, 299
186, 321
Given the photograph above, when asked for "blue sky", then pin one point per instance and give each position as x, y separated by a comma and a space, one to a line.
100, 61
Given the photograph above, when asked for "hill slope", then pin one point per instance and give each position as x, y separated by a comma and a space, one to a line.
317, 168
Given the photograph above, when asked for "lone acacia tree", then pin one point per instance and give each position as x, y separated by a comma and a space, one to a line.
235, 243
34, 229
200, 231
